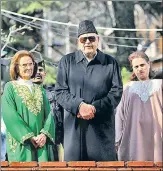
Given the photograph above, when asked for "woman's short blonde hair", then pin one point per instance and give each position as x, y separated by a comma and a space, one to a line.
14, 71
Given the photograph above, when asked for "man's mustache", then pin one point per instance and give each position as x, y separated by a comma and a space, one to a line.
38, 75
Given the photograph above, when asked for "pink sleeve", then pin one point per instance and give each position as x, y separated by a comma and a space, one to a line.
119, 118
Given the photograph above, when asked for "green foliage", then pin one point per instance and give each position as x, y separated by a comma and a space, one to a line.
29, 8
51, 73
8, 5
25, 6
125, 75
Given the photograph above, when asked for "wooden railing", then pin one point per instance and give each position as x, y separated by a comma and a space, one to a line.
82, 166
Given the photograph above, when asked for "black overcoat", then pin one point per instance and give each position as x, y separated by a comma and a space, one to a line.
98, 83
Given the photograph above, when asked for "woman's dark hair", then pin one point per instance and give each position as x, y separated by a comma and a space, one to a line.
140, 54
15, 61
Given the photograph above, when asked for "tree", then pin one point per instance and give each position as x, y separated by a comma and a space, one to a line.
31, 8
124, 16
119, 14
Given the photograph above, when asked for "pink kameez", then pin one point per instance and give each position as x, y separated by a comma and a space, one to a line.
139, 122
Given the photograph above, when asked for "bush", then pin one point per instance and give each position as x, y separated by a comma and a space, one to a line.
125, 75
51, 74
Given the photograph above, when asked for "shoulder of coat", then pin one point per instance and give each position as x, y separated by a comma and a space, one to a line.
110, 58
68, 57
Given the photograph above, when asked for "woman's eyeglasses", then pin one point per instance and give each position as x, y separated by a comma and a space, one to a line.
90, 38
26, 65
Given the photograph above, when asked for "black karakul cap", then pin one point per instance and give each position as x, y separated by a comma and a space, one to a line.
86, 26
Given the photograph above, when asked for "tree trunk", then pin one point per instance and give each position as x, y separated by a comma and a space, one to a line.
124, 15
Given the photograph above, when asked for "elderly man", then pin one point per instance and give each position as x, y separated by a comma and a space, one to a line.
89, 88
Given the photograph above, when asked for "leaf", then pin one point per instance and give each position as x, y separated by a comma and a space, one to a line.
31, 8
23, 33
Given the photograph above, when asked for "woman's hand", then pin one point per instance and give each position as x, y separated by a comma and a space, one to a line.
41, 140
33, 141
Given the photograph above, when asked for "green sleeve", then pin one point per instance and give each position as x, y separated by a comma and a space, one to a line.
49, 125
15, 124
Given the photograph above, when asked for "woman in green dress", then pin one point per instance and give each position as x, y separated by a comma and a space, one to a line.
26, 113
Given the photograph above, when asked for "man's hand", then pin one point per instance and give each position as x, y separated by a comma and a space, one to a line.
41, 140
86, 111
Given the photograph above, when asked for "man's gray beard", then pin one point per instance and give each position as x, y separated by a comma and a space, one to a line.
90, 55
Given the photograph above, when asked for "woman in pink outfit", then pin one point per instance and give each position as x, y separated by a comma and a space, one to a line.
139, 114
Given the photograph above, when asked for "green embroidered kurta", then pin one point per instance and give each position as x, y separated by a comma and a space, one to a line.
27, 114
